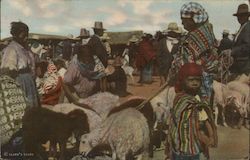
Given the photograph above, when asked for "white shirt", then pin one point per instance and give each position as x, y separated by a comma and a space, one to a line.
85, 41
61, 72
171, 42
16, 57
202, 114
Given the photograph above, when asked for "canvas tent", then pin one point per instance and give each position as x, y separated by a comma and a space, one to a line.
38, 36
119, 40
123, 37
46, 39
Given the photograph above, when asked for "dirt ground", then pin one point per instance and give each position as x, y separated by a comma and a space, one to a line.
233, 144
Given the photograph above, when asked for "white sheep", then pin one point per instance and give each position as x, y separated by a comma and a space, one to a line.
126, 132
162, 103
223, 96
102, 102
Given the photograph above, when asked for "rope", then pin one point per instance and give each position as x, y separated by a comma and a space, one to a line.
225, 61
140, 106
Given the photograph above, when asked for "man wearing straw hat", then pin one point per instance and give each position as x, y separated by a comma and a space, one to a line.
84, 39
167, 47
84, 36
131, 50
241, 42
225, 43
96, 44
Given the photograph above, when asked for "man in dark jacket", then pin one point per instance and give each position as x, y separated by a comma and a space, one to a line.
225, 43
67, 48
167, 47
241, 43
97, 47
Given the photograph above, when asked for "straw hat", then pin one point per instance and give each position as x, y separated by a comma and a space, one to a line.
173, 27
133, 39
98, 25
36, 48
105, 36
242, 10
84, 33
225, 31
70, 36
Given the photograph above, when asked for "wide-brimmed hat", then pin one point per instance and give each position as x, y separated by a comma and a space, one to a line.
146, 36
70, 36
225, 31
105, 36
242, 10
98, 25
173, 27
133, 39
84, 33
36, 48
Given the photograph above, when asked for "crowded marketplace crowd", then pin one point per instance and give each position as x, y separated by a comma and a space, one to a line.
69, 95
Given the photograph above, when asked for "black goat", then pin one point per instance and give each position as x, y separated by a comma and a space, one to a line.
41, 125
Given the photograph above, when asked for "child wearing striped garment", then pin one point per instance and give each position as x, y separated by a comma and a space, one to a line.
192, 128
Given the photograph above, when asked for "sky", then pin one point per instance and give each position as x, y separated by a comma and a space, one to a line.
64, 17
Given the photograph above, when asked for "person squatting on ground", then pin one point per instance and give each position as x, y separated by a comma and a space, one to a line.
118, 77
192, 128
80, 77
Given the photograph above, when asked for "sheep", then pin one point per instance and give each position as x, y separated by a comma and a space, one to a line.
160, 106
102, 103
41, 125
244, 78
162, 103
244, 88
224, 96
96, 107
146, 109
126, 132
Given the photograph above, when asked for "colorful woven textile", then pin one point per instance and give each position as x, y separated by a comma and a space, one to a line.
183, 130
198, 47
12, 106
187, 114
195, 11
